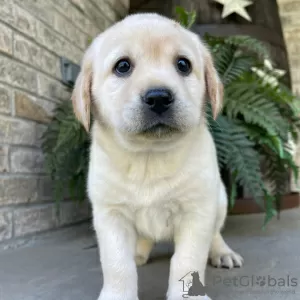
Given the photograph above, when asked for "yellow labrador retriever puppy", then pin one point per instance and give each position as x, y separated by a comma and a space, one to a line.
153, 171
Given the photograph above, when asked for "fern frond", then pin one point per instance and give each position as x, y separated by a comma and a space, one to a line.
237, 68
65, 145
244, 161
223, 57
186, 19
244, 99
238, 155
221, 135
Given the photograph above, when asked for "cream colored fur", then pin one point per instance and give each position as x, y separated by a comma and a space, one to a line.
145, 189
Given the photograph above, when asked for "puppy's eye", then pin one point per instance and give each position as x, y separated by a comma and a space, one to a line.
123, 67
184, 66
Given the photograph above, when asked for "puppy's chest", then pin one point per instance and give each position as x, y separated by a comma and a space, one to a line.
157, 221
156, 207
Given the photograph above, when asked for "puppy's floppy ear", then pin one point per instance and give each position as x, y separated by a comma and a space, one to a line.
213, 82
81, 96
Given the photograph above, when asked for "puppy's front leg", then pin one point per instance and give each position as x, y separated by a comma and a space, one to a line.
193, 236
117, 241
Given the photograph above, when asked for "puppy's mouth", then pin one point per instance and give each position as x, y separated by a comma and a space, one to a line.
159, 130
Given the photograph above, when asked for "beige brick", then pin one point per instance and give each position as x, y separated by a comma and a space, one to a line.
5, 100
17, 74
126, 3
293, 48
24, 22
106, 8
26, 50
295, 72
79, 3
295, 186
16, 131
280, 2
294, 61
34, 219
6, 225
4, 166
96, 16
6, 11
66, 9
290, 20
290, 6
50, 63
67, 29
49, 38
76, 15
53, 89
40, 9
63, 6
5, 39
295, 69
54, 42
29, 107
292, 34
31, 53
78, 18
71, 212
296, 90
84, 23
26, 160
17, 190
119, 6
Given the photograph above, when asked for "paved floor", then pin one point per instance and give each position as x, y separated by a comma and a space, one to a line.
65, 266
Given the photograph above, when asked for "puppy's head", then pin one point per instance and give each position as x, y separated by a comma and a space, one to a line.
147, 78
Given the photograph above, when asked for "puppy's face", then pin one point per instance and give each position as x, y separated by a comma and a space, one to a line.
147, 77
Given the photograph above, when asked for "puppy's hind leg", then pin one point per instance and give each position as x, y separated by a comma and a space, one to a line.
221, 255
143, 249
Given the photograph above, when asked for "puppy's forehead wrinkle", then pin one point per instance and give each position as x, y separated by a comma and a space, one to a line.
153, 50
148, 35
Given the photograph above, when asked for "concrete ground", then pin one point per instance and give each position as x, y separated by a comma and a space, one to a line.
64, 266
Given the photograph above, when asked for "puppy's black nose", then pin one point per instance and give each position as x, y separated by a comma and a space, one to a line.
158, 100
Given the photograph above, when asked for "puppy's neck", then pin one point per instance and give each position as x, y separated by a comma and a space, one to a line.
144, 165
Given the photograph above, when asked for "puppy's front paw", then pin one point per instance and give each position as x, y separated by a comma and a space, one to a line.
228, 260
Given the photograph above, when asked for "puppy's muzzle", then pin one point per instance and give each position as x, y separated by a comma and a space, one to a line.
158, 100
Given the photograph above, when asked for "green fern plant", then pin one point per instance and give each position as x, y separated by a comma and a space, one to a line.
66, 145
256, 124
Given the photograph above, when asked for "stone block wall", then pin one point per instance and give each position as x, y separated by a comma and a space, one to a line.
290, 18
33, 36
